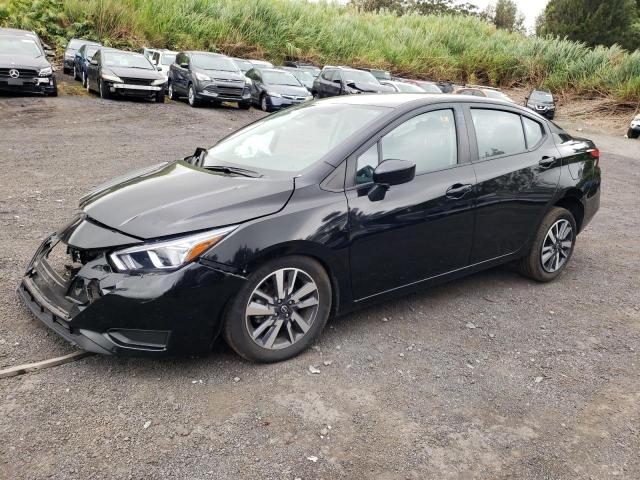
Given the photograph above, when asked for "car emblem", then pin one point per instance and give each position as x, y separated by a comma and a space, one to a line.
13, 73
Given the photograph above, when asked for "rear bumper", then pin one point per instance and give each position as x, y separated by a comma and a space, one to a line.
592, 199
102, 311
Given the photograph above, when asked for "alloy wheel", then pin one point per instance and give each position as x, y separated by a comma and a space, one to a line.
84, 79
557, 246
192, 96
263, 103
75, 73
171, 91
282, 308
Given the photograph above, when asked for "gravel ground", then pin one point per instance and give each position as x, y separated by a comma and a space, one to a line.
490, 377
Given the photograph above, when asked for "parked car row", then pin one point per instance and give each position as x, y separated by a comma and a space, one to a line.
24, 67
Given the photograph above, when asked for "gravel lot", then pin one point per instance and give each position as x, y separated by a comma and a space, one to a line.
490, 377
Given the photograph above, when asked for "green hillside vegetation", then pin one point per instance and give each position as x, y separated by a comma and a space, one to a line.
458, 48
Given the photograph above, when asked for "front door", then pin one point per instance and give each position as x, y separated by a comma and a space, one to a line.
421, 229
517, 166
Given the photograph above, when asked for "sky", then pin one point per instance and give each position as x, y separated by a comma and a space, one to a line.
530, 8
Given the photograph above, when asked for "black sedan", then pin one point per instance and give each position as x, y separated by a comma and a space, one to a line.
273, 89
542, 102
311, 212
24, 67
127, 74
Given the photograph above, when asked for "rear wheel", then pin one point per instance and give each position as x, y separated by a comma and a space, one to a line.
632, 133
280, 310
552, 248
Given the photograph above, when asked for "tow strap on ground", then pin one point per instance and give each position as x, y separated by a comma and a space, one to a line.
52, 362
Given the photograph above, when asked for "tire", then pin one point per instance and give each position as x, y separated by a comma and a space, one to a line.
171, 92
84, 79
193, 100
289, 333
66, 71
104, 91
75, 73
532, 265
264, 105
54, 93
160, 97
244, 105
632, 133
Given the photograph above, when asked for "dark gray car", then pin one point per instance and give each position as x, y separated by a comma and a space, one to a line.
334, 81
205, 77
542, 103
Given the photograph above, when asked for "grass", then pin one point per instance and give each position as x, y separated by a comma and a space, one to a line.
462, 49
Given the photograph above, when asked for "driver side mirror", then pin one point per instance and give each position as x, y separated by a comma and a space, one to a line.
50, 53
388, 173
93, 62
184, 65
159, 69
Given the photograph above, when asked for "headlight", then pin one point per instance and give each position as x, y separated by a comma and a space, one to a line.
111, 78
202, 77
45, 72
159, 81
248, 81
274, 94
168, 254
69, 56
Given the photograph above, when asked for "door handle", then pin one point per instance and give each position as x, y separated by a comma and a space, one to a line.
547, 162
458, 190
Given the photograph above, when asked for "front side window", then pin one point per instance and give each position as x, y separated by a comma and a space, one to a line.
168, 58
366, 164
498, 133
429, 140
90, 52
270, 144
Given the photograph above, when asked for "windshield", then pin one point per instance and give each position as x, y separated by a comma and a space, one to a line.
89, 52
126, 60
168, 58
305, 77
280, 78
271, 144
541, 97
244, 65
497, 95
429, 88
409, 88
261, 64
19, 46
214, 62
315, 71
381, 74
358, 76
75, 44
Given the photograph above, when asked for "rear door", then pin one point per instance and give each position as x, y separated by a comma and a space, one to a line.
518, 170
421, 229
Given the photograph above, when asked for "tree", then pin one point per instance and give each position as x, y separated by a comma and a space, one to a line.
423, 7
505, 14
594, 22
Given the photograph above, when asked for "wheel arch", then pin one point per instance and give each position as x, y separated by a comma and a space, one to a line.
325, 257
571, 200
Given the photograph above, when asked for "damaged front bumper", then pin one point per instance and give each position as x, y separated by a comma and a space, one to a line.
75, 292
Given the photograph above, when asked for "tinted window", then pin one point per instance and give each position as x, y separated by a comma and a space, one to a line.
498, 133
533, 131
367, 163
429, 140
326, 74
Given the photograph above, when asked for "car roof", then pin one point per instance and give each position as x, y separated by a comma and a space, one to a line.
399, 100
202, 52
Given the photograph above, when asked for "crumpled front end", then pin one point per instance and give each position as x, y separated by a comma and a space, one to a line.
71, 286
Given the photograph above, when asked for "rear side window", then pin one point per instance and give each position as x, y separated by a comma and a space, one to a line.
429, 140
533, 132
498, 133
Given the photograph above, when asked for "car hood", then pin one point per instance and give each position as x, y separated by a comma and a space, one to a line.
371, 87
135, 73
223, 75
173, 198
23, 61
287, 90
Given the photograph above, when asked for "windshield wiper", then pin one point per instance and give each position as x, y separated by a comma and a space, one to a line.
233, 171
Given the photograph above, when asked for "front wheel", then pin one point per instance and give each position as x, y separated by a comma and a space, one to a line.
280, 310
104, 91
632, 133
264, 104
552, 248
193, 99
84, 79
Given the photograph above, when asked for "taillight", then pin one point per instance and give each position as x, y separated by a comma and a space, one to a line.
595, 153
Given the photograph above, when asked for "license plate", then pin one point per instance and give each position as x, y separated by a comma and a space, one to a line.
15, 81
